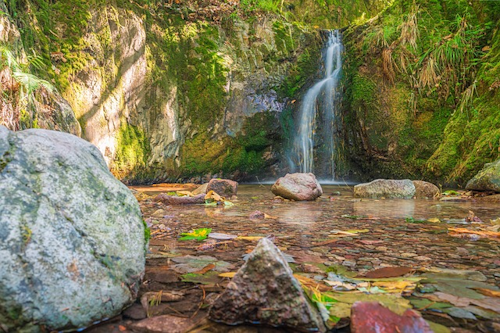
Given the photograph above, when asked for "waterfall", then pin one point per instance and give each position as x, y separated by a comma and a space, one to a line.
315, 132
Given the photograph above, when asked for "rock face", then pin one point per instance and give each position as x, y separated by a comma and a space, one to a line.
488, 179
298, 186
426, 190
223, 187
72, 240
371, 317
264, 291
386, 188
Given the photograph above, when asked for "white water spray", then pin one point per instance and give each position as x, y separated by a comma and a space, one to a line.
320, 102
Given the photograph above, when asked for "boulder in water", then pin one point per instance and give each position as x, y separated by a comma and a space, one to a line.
72, 245
386, 188
223, 187
298, 186
488, 179
264, 291
426, 190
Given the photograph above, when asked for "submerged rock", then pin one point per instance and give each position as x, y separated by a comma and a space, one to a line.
175, 200
372, 317
223, 187
72, 240
426, 190
386, 188
488, 179
298, 186
264, 291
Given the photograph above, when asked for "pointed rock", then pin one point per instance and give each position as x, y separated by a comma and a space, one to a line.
264, 291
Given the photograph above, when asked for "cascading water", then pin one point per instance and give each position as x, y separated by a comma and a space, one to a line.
317, 116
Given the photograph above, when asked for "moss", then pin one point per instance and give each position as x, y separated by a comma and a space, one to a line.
132, 152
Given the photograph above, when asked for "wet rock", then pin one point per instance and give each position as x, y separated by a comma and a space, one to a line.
372, 317
426, 190
386, 188
298, 186
201, 189
71, 236
175, 200
223, 187
163, 324
257, 215
488, 179
136, 312
264, 291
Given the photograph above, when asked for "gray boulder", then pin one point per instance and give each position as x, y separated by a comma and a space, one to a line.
488, 179
72, 246
386, 188
426, 190
264, 291
298, 186
223, 187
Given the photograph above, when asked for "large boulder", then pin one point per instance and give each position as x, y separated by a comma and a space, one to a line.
488, 179
298, 186
426, 190
223, 187
264, 291
72, 241
386, 188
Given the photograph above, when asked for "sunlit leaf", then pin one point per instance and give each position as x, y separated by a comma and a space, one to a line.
197, 234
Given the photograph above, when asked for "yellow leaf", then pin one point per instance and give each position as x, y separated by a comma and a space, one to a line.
185, 194
434, 220
227, 275
398, 286
249, 238
211, 195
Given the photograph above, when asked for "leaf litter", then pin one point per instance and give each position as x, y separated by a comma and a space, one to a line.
341, 255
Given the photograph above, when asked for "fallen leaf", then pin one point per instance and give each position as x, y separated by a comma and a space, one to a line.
488, 292
197, 234
227, 275
249, 238
205, 269
217, 235
387, 272
434, 220
311, 284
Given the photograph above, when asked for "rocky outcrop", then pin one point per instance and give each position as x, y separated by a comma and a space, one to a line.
32, 102
264, 291
298, 186
223, 187
488, 179
72, 238
386, 188
426, 190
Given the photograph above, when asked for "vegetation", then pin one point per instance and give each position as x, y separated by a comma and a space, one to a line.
413, 73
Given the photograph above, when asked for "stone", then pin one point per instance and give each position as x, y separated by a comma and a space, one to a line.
175, 200
372, 317
298, 186
426, 190
264, 291
72, 245
488, 179
223, 187
386, 188
162, 324
257, 215
201, 189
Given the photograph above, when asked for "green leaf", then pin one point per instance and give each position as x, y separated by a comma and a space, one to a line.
197, 234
